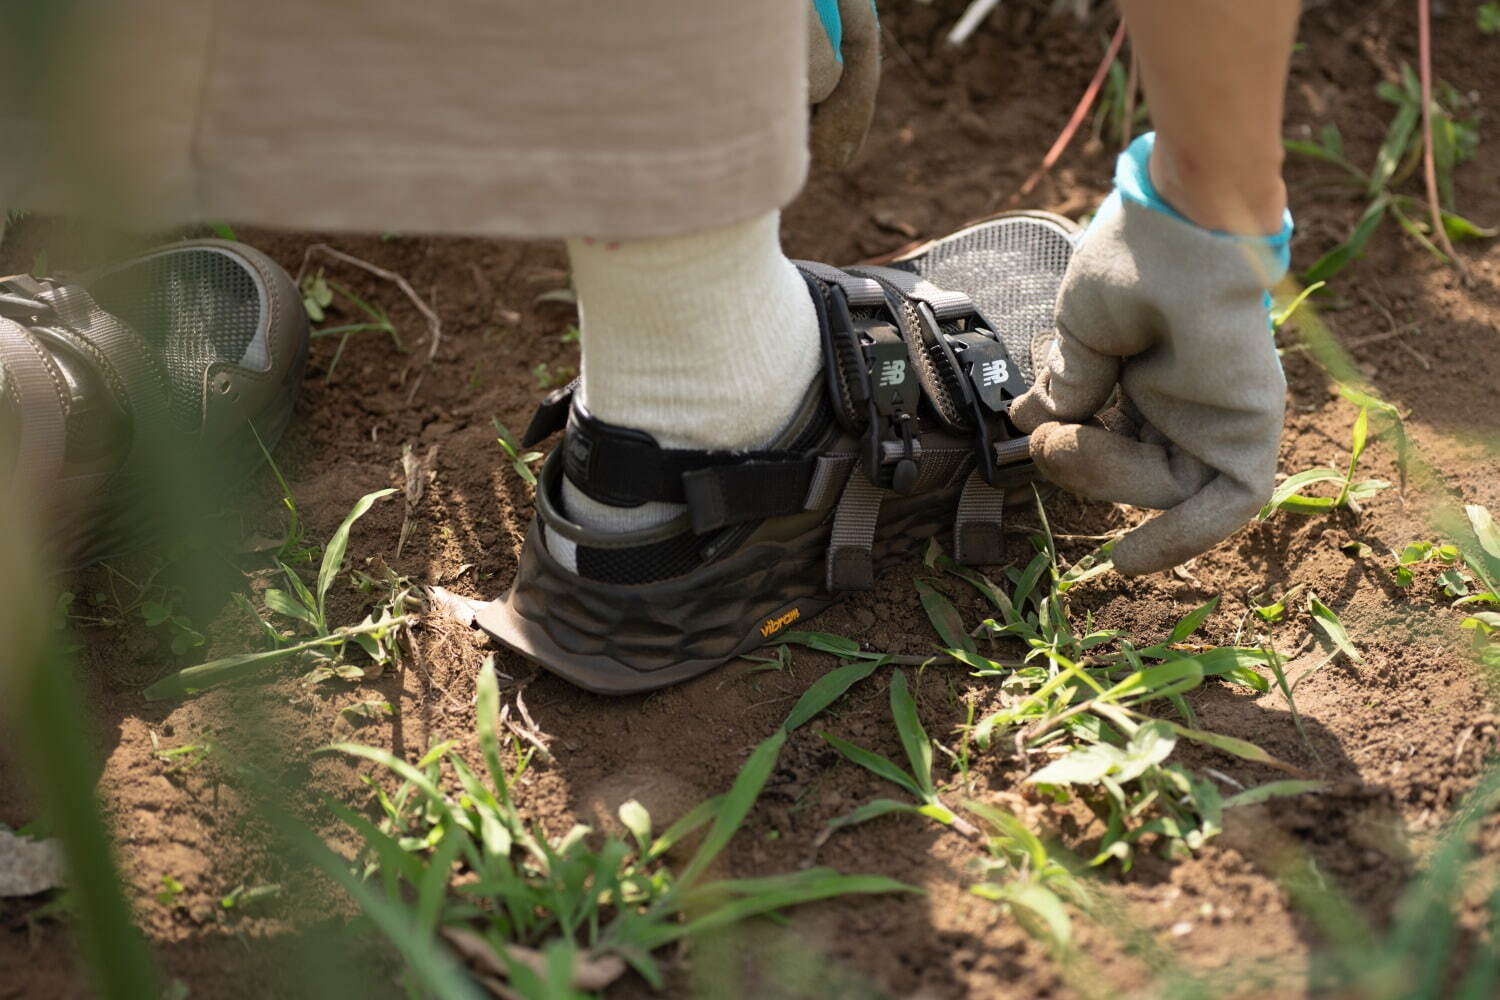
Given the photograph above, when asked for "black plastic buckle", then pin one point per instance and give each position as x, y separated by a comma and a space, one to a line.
18, 298
893, 390
988, 379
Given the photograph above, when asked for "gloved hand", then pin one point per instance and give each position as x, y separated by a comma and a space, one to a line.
843, 71
1176, 316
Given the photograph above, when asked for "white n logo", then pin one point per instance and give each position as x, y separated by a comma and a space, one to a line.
994, 372
892, 372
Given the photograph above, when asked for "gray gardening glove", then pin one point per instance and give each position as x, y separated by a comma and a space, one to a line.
843, 72
1175, 316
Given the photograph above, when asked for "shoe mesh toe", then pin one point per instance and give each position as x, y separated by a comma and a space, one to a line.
199, 306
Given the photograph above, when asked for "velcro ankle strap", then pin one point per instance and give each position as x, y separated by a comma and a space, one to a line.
623, 467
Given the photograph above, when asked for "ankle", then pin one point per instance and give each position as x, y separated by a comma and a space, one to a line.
702, 341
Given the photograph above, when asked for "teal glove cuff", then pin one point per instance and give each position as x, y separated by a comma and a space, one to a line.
1133, 182
833, 25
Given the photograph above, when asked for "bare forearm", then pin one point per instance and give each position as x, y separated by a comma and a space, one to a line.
1214, 73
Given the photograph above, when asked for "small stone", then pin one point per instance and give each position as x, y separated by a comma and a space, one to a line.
28, 867
1182, 928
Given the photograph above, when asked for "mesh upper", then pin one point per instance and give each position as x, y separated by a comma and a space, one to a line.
1011, 269
198, 307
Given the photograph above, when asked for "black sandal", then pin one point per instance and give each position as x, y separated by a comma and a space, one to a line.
904, 437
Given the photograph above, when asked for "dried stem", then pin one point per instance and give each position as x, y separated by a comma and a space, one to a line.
434, 325
1065, 137
1429, 165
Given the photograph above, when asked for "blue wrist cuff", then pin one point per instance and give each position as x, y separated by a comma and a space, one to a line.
833, 25
1133, 182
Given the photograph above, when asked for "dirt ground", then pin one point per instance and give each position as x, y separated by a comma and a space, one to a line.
1402, 735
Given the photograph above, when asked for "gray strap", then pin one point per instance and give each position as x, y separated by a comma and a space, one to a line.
849, 563
860, 291
978, 529
44, 428
829, 477
129, 364
945, 304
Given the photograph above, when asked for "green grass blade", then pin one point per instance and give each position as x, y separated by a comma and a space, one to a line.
1157, 681
817, 883
1484, 529
736, 804
433, 889
1037, 908
873, 809
427, 960
1243, 749
1026, 582
698, 816
913, 737
946, 620
1341, 256
1397, 138
986, 587
1192, 620
1273, 790
333, 554
1333, 630
828, 689
1007, 825
396, 765
1293, 485
875, 764
194, 679
53, 725
826, 642
283, 603
487, 722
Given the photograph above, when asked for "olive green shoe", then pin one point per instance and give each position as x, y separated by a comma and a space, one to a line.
165, 367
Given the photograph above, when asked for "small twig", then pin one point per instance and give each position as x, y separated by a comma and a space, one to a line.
1462, 741
1080, 112
971, 18
1067, 537
1429, 163
434, 325
529, 731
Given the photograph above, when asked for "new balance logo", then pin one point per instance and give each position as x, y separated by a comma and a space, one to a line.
892, 372
994, 373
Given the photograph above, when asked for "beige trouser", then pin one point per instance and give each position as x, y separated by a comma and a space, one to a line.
620, 118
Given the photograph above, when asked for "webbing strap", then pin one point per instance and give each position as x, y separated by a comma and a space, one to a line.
862, 292
551, 416
945, 304
132, 369
44, 429
849, 564
978, 528
722, 495
829, 476
625, 467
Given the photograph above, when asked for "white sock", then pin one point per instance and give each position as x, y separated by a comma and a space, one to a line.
702, 341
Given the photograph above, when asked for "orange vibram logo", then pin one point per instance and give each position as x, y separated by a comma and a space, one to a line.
774, 625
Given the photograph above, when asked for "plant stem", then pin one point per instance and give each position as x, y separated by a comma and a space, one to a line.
1429, 165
